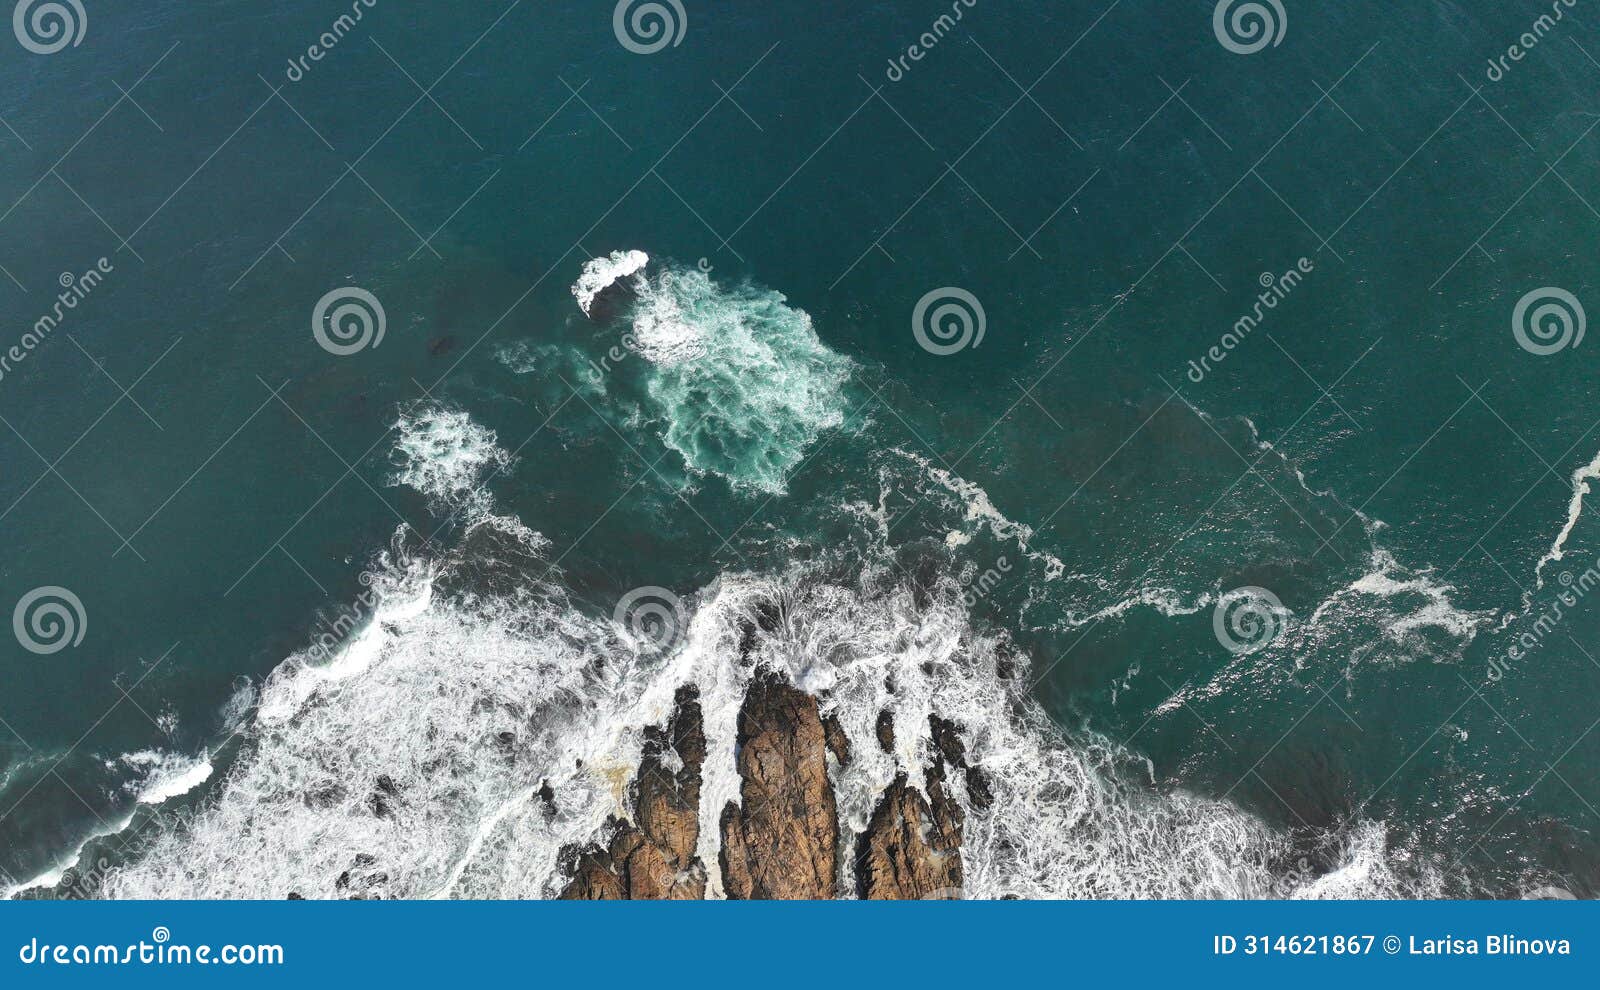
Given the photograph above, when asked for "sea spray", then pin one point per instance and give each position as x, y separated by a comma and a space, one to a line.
733, 379
425, 768
446, 456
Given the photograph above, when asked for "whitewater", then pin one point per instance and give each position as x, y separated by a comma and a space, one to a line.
482, 723
430, 765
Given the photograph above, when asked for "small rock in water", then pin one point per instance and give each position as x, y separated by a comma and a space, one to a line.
886, 731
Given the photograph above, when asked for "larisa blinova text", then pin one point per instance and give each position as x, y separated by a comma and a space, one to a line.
1489, 945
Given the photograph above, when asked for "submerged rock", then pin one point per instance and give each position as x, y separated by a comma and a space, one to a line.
360, 883
385, 795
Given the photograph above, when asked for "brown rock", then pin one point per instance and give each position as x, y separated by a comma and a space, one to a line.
947, 739
635, 869
654, 859
781, 841
886, 731
667, 790
838, 742
597, 876
911, 850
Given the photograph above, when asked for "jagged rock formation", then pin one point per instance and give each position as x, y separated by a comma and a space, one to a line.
653, 858
947, 739
781, 840
911, 851
885, 731
838, 742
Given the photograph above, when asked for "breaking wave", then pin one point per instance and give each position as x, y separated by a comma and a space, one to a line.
599, 274
483, 733
164, 776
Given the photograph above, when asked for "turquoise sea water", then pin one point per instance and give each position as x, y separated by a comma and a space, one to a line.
1112, 184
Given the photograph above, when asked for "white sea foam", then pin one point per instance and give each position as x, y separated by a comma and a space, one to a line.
600, 274
1580, 488
400, 591
1370, 524
431, 760
164, 776
979, 512
445, 455
1402, 604
1167, 601
662, 331
738, 378
1366, 870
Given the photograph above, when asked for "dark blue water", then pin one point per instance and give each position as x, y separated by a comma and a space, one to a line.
1108, 180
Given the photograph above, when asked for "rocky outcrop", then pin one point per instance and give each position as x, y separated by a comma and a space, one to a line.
885, 731
781, 840
653, 857
911, 849
838, 741
947, 740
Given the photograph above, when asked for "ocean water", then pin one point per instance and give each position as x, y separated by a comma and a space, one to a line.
1188, 399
